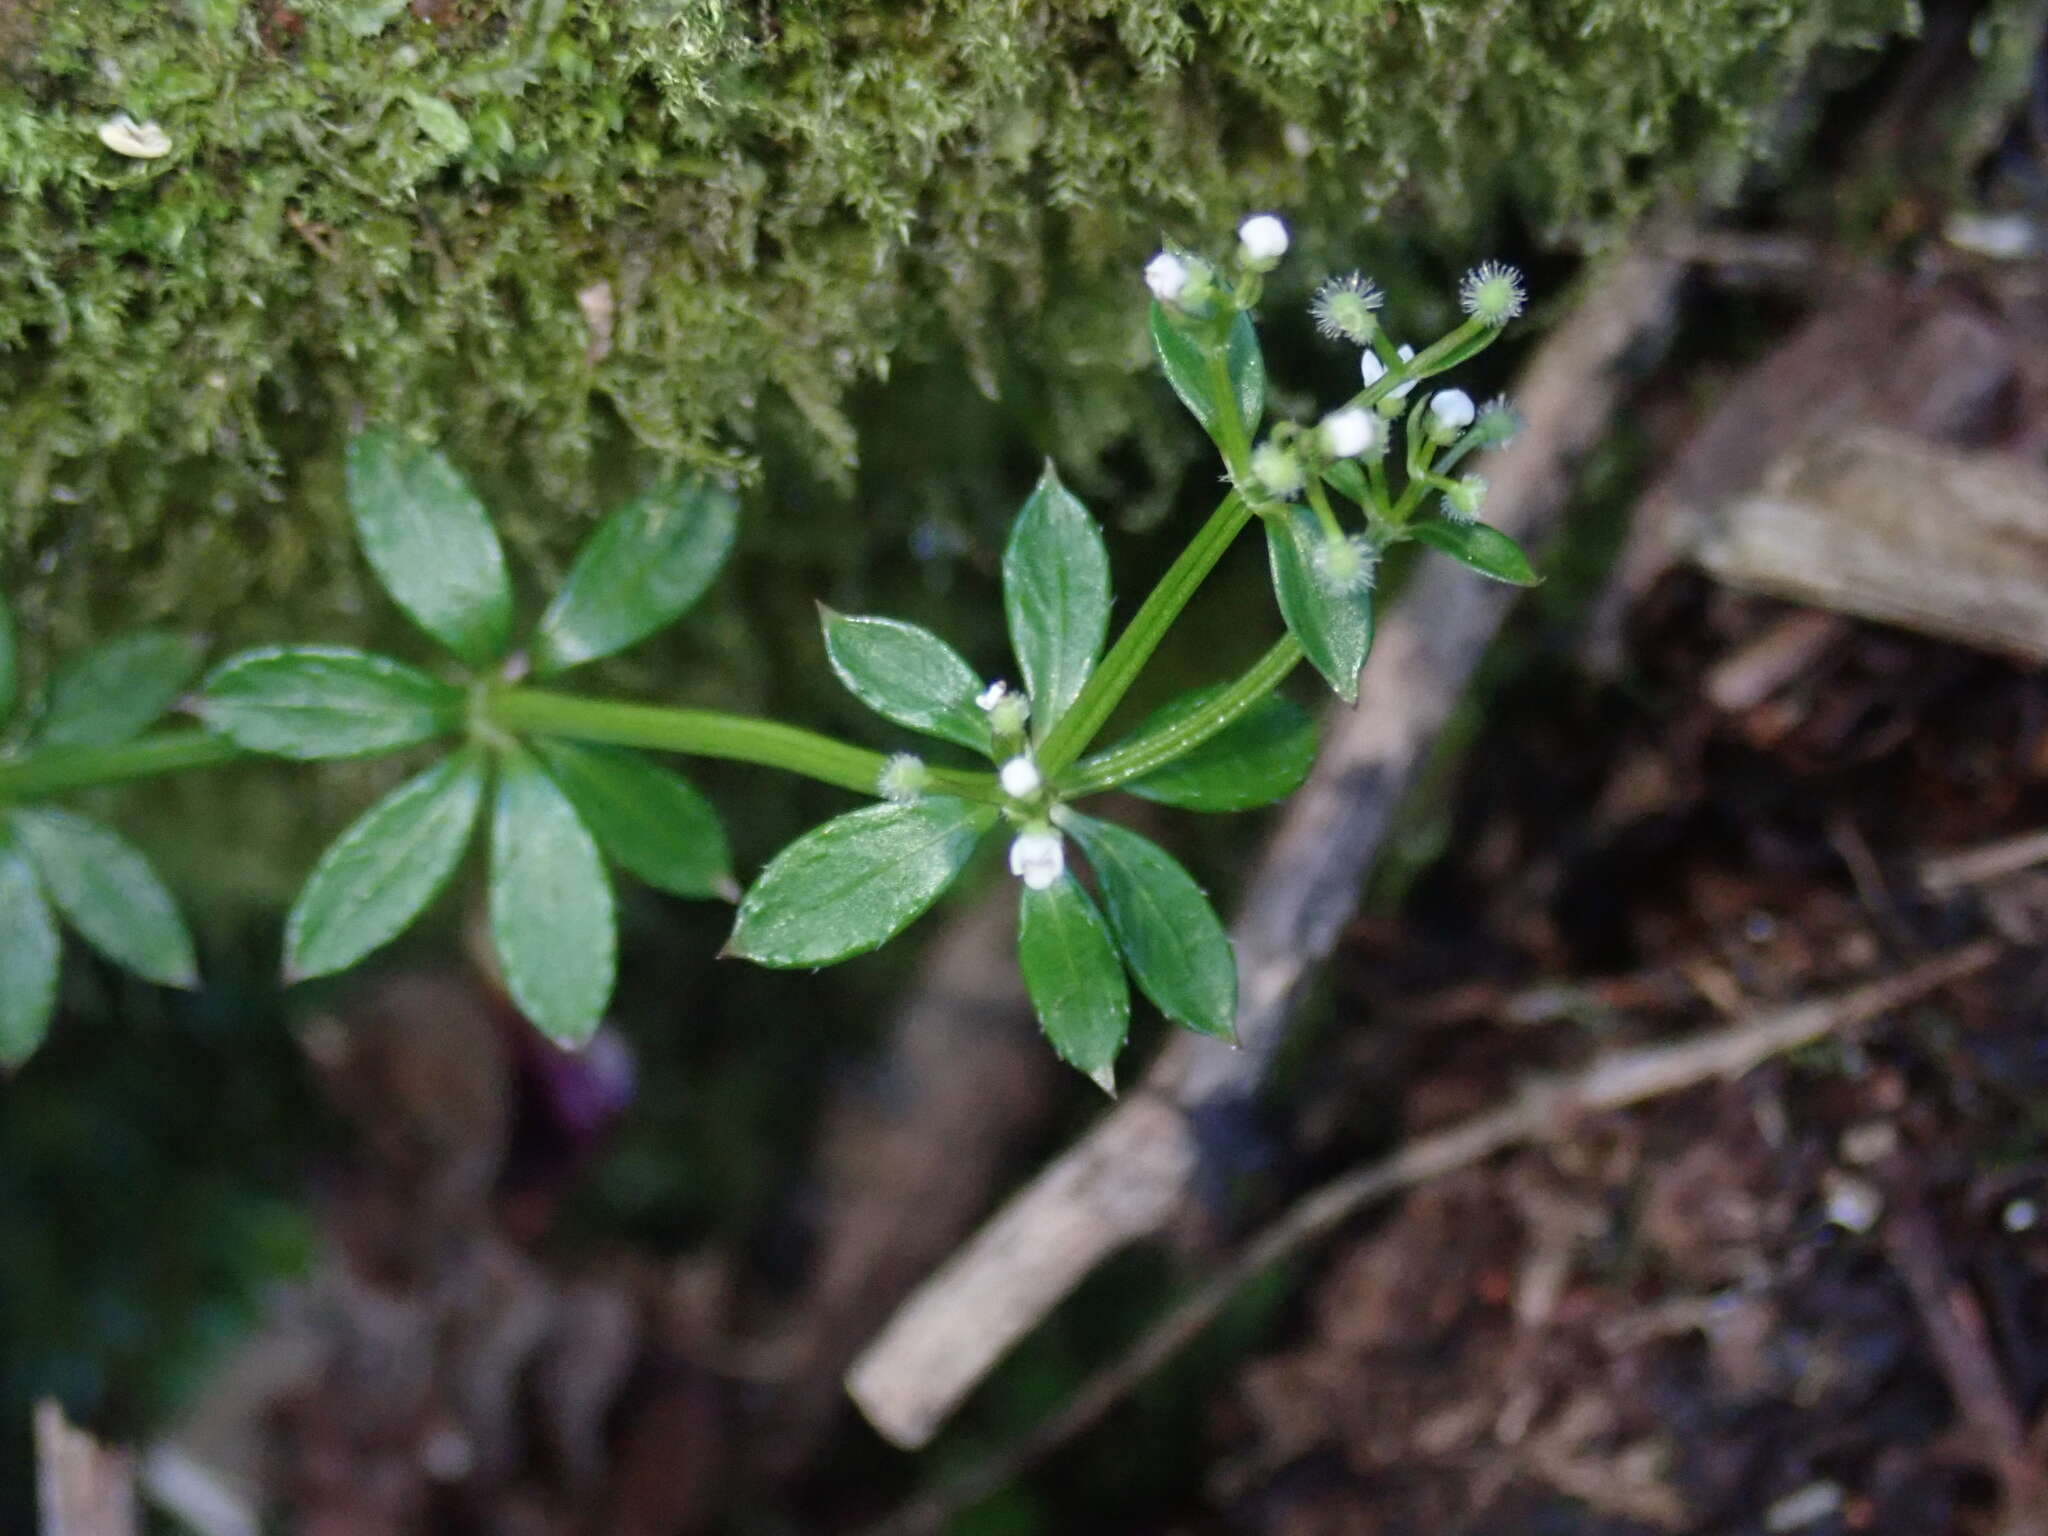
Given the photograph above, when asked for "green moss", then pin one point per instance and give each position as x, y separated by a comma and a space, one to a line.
380, 209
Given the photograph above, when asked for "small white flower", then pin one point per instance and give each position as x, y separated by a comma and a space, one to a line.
1038, 858
138, 141
1007, 712
1350, 432
904, 778
1020, 778
1450, 412
1167, 276
1372, 370
1261, 241
1492, 293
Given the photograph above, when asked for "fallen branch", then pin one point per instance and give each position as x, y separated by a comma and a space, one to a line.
1541, 1111
1125, 1179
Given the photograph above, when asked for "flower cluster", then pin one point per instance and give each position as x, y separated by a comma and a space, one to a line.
1348, 451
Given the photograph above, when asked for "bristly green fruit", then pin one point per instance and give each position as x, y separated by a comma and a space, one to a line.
106, 694
857, 881
638, 572
381, 873
1485, 549
1169, 934
1335, 628
107, 891
316, 701
28, 956
1074, 978
1056, 597
552, 919
908, 675
649, 821
431, 544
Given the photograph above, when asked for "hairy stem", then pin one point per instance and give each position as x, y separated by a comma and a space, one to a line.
56, 769
708, 733
1155, 749
1109, 682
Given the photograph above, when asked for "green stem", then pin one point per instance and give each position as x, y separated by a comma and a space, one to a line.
1236, 437
57, 769
708, 733
1136, 758
1108, 683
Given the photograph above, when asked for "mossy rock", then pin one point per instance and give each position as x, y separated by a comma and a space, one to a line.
577, 240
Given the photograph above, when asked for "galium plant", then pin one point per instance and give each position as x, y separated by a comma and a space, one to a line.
570, 788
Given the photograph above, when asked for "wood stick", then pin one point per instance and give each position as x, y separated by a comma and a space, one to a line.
1542, 1111
1125, 1179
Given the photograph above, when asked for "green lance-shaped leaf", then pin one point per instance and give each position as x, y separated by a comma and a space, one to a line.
317, 701
907, 674
108, 693
380, 874
107, 890
1170, 935
1486, 549
1187, 369
1075, 980
28, 956
1056, 596
1261, 756
8, 675
431, 543
641, 568
552, 919
648, 820
1334, 628
857, 881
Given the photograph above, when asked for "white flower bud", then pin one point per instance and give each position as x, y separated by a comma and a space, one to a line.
1372, 370
1450, 412
1167, 276
1350, 432
1038, 858
904, 778
138, 141
1020, 778
1261, 241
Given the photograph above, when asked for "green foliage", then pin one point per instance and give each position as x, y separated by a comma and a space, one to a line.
1185, 361
535, 232
381, 873
552, 920
109, 692
1487, 550
1164, 925
1056, 598
28, 955
1259, 758
908, 675
1334, 629
856, 882
315, 701
108, 892
649, 821
431, 543
1074, 978
644, 565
